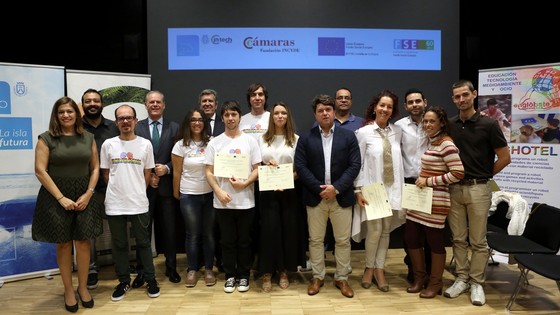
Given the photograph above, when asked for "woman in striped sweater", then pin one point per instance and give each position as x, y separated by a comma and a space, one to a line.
441, 166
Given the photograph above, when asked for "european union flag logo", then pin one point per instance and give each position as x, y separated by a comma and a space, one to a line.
331, 46
187, 45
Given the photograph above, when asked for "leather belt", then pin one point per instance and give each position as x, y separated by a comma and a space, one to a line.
410, 180
472, 181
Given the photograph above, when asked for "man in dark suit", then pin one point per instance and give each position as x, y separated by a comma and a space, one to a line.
208, 102
327, 161
164, 208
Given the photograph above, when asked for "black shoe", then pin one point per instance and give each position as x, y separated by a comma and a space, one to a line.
86, 304
138, 281
120, 291
71, 308
173, 275
153, 288
92, 280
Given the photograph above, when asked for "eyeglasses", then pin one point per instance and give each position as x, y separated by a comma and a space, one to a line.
197, 120
340, 98
123, 118
417, 101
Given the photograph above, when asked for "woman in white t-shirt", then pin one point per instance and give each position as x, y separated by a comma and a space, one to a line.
282, 237
195, 195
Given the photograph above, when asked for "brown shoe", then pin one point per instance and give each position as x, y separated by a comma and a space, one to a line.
367, 278
284, 282
191, 279
266, 282
344, 288
209, 277
315, 286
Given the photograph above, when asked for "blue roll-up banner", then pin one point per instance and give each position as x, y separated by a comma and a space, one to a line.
27, 94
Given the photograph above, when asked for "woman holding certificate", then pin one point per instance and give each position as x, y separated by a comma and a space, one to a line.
195, 195
380, 148
441, 166
282, 232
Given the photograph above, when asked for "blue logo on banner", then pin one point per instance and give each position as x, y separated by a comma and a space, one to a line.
20, 89
187, 45
5, 103
331, 46
15, 133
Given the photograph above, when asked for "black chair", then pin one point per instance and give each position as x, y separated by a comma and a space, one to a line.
543, 264
498, 223
541, 234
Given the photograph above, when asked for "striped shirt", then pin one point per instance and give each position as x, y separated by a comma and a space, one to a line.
442, 166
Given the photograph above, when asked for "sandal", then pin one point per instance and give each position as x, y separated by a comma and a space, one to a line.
284, 282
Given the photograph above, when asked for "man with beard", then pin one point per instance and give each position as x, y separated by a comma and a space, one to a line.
102, 129
413, 144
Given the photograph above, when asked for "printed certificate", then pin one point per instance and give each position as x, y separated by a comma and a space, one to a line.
415, 198
231, 165
378, 202
276, 177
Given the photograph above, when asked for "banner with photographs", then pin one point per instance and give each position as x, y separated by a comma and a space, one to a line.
526, 102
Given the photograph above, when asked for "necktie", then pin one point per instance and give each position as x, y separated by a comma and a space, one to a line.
388, 176
155, 135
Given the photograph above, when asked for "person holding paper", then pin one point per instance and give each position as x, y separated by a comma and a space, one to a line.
327, 161
234, 198
191, 188
380, 147
282, 239
441, 166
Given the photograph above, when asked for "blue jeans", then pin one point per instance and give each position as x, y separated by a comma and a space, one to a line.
198, 214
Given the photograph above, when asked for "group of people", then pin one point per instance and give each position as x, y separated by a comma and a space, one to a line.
135, 172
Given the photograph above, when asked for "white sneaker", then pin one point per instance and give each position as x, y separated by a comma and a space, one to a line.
458, 288
478, 297
229, 286
243, 285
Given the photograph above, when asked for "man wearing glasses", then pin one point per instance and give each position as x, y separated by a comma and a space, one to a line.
126, 162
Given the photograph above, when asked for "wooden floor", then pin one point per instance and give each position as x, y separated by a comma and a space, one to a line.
42, 296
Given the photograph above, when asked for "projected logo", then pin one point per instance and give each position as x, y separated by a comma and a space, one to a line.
413, 44
5, 103
331, 46
188, 45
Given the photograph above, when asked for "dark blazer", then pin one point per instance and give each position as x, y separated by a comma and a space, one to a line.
219, 127
345, 165
163, 154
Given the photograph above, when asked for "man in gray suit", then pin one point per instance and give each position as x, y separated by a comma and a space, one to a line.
164, 208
